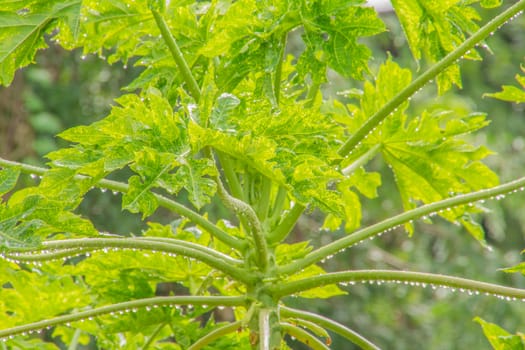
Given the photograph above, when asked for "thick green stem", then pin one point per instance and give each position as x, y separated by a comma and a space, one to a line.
231, 177
216, 334
406, 277
195, 246
128, 306
264, 330
327, 323
29, 254
365, 158
285, 227
278, 203
303, 336
161, 200
244, 210
403, 218
232, 180
184, 69
428, 75
219, 263
263, 205
269, 330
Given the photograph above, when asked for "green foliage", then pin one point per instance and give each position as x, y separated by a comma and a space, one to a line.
434, 29
23, 28
512, 93
223, 115
499, 338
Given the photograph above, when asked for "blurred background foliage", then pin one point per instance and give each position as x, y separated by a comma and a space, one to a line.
65, 89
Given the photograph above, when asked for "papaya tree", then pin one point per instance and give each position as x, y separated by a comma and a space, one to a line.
224, 115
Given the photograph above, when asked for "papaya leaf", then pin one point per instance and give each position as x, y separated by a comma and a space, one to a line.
256, 152
193, 175
22, 30
433, 29
428, 154
331, 35
512, 93
8, 179
49, 283
499, 338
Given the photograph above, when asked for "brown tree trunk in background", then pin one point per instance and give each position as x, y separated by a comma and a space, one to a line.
16, 134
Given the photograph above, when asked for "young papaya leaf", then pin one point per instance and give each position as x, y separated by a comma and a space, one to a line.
512, 93
499, 338
359, 180
256, 152
309, 184
194, 176
490, 3
517, 268
58, 292
105, 24
221, 110
139, 199
154, 169
366, 183
140, 123
345, 55
331, 35
8, 179
428, 154
22, 29
435, 28
134, 274
234, 26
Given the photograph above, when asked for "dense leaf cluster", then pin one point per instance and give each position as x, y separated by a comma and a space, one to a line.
223, 114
